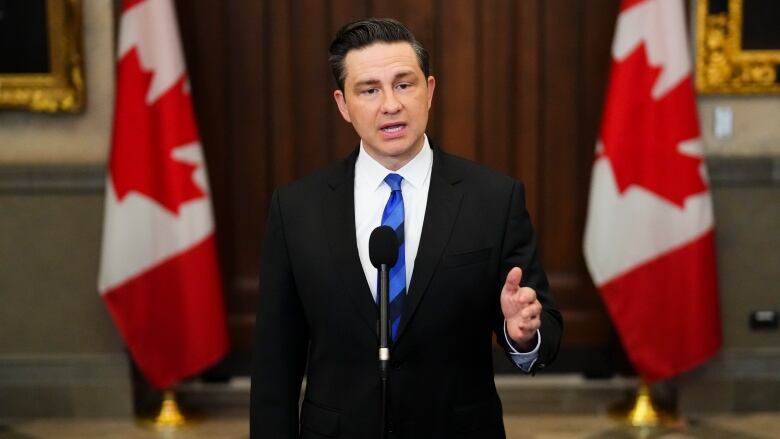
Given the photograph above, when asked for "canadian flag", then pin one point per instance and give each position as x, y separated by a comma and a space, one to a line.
158, 268
649, 238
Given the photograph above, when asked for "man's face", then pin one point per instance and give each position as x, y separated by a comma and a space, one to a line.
386, 98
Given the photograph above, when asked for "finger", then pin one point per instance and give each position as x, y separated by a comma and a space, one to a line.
532, 326
532, 311
527, 295
512, 283
526, 325
517, 332
523, 331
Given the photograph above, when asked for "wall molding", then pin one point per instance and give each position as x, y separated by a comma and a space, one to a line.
90, 179
52, 179
744, 171
740, 380
65, 385
55, 369
759, 363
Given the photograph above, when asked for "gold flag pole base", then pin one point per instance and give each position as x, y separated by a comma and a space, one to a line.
643, 413
169, 416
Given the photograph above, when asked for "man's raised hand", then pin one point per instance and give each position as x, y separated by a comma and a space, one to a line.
521, 310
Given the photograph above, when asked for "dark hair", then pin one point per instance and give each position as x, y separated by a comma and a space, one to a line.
362, 33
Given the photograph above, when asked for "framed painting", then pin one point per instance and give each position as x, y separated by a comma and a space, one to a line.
41, 65
738, 46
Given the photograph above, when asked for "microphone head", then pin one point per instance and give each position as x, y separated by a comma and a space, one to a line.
383, 246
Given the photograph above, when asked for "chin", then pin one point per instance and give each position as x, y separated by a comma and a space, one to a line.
400, 146
399, 152
394, 148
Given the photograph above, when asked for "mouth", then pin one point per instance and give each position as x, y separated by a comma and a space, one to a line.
392, 128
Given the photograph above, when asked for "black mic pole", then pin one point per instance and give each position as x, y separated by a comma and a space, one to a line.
383, 252
384, 347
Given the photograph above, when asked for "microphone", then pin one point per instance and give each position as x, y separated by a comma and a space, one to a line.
383, 252
383, 247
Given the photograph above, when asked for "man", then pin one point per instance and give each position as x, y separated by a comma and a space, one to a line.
468, 268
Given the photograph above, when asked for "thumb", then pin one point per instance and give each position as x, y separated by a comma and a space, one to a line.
513, 279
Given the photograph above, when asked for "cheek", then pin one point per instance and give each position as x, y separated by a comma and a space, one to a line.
420, 104
361, 114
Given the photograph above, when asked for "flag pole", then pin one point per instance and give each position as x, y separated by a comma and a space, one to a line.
643, 412
169, 417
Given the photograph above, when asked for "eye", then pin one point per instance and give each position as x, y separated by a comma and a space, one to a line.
370, 91
404, 86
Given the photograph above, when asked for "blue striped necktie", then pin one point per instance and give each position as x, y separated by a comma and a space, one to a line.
393, 216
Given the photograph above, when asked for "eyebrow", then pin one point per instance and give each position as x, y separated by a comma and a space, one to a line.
372, 81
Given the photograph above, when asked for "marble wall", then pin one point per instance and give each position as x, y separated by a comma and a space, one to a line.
60, 355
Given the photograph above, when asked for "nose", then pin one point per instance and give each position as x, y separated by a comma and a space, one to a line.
390, 104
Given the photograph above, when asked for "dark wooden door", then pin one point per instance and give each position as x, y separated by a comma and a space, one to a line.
519, 88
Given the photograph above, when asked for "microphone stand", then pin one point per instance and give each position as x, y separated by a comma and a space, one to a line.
384, 347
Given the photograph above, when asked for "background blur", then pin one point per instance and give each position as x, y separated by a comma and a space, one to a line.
520, 86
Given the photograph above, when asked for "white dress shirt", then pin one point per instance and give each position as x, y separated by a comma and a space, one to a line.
371, 195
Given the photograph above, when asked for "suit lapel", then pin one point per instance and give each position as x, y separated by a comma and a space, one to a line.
340, 221
444, 196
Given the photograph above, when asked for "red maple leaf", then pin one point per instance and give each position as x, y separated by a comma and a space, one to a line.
127, 4
641, 135
628, 4
145, 135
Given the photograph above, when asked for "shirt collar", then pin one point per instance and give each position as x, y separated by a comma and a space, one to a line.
371, 174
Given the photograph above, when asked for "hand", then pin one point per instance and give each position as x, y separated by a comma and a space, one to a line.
521, 310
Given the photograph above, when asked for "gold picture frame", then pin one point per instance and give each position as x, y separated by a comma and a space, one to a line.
723, 66
62, 88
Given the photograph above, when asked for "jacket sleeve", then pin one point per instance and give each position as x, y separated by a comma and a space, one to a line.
519, 249
281, 339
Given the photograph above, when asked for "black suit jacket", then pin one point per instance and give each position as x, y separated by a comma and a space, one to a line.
316, 313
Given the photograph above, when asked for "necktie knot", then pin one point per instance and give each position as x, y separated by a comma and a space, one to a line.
394, 181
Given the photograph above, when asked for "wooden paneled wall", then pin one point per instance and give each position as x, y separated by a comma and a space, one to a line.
520, 85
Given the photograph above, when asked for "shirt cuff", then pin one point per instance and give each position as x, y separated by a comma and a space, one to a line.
524, 360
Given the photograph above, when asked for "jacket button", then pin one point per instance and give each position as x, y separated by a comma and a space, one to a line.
395, 364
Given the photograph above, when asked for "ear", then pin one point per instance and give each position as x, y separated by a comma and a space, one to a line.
341, 102
431, 86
